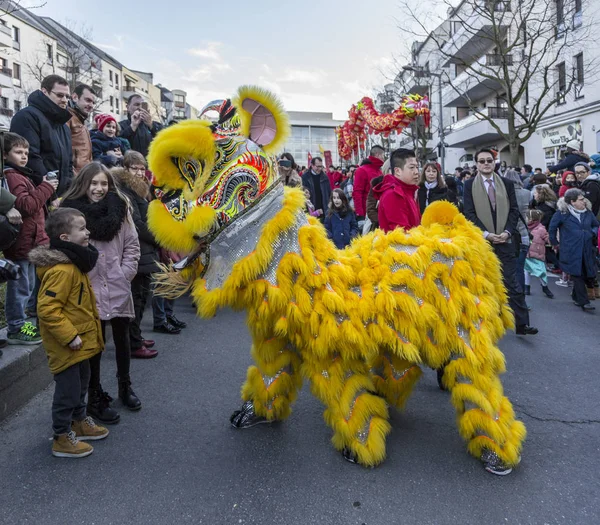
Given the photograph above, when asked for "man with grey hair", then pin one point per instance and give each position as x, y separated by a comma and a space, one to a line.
590, 184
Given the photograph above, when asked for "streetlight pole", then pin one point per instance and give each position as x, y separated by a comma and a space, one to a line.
441, 135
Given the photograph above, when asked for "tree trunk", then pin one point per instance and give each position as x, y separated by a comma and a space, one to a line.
514, 153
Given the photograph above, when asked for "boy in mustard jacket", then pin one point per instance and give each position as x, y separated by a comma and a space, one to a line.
70, 328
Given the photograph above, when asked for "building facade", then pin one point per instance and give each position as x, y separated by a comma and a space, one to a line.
445, 66
312, 132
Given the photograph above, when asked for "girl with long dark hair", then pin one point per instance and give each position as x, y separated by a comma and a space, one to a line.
112, 232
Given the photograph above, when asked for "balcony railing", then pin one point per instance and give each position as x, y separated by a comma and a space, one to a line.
6, 71
494, 112
6, 30
6, 112
179, 104
498, 60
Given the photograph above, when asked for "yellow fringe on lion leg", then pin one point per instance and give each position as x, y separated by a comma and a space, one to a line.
272, 385
358, 418
485, 417
394, 378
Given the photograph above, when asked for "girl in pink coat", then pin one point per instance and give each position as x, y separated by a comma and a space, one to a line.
113, 234
535, 263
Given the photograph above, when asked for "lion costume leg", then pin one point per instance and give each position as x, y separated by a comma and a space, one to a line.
394, 378
359, 418
271, 385
485, 417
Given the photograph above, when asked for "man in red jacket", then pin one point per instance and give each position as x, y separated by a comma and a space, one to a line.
396, 193
370, 169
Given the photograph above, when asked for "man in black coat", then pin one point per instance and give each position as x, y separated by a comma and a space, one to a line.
318, 183
138, 128
590, 185
44, 124
490, 202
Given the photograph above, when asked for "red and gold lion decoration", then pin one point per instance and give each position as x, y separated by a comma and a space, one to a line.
364, 118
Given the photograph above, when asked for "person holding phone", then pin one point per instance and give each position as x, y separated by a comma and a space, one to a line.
288, 171
139, 128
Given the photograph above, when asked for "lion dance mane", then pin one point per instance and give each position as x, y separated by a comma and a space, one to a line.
358, 323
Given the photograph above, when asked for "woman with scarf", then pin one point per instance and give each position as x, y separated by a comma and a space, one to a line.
578, 229
112, 232
432, 186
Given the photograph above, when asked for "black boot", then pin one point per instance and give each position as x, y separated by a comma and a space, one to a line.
127, 395
527, 289
547, 291
99, 407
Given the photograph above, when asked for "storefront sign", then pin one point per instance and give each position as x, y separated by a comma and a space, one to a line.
560, 135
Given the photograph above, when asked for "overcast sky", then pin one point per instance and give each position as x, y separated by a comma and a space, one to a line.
319, 55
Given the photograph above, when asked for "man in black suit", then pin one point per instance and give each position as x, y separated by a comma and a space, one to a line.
490, 203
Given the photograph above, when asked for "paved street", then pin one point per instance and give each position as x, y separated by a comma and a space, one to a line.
179, 461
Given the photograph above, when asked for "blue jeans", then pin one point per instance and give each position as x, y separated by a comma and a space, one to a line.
18, 293
161, 309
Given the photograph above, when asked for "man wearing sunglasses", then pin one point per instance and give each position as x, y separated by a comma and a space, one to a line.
44, 124
490, 202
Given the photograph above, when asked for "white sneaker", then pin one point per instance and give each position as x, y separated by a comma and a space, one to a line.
564, 284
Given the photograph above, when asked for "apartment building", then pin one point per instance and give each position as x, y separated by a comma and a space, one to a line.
445, 66
28, 52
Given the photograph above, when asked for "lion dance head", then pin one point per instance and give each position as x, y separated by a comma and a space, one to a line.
207, 174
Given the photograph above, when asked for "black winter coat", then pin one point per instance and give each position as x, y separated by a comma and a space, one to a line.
141, 138
134, 189
591, 188
44, 124
435, 194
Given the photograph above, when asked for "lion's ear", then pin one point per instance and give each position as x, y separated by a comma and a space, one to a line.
263, 119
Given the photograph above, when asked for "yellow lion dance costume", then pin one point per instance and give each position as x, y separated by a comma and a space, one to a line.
357, 323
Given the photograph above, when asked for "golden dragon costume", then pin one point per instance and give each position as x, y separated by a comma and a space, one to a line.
356, 323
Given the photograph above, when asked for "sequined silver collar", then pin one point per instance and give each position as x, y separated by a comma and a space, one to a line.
241, 238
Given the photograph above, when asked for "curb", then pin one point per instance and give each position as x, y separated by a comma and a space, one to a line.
24, 373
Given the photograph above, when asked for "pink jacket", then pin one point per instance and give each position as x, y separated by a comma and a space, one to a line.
116, 267
537, 248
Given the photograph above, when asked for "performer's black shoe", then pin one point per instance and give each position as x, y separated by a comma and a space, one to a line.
246, 417
349, 456
493, 464
525, 329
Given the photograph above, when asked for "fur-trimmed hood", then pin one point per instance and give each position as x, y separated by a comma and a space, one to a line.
46, 257
562, 206
126, 179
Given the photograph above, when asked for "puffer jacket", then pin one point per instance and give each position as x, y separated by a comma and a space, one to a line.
341, 229
576, 240
591, 187
138, 191
539, 239
397, 205
80, 139
101, 144
116, 268
66, 309
30, 202
44, 124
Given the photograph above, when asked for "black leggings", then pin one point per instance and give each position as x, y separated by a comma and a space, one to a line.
120, 329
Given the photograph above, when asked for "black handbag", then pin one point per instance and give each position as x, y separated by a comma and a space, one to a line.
8, 232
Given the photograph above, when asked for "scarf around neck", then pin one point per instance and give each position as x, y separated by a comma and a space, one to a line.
575, 212
103, 219
84, 257
483, 207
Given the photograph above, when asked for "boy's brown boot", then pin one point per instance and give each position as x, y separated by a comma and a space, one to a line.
597, 292
591, 294
68, 446
87, 430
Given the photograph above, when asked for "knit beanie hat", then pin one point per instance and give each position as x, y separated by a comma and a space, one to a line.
103, 119
584, 164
